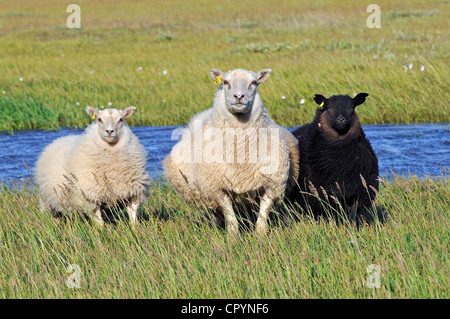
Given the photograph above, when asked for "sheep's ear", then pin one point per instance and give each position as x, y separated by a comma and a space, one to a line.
359, 99
263, 75
320, 100
216, 73
92, 111
128, 112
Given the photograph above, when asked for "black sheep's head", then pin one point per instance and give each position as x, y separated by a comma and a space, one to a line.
340, 110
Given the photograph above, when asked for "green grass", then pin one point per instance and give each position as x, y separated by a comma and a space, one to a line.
176, 253
312, 47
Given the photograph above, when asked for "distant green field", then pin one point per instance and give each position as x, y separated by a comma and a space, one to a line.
156, 55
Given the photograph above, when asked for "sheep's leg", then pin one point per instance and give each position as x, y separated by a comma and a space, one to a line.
264, 210
230, 218
98, 217
353, 212
132, 209
42, 207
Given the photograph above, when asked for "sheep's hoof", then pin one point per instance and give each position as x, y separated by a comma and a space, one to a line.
99, 223
261, 228
97, 217
233, 232
132, 220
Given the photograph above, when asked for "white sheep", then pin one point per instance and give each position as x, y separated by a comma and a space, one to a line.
104, 166
234, 151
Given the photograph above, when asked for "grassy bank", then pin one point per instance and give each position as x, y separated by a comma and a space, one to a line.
156, 55
176, 253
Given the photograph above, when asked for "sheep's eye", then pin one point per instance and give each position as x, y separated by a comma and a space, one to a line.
121, 120
100, 120
250, 86
254, 83
225, 82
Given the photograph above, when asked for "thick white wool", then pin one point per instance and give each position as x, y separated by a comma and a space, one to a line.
82, 172
207, 180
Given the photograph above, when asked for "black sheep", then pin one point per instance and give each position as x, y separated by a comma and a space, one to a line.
334, 154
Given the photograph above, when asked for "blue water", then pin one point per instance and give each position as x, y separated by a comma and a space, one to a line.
419, 149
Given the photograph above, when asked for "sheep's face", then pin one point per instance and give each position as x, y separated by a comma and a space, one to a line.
110, 122
239, 87
340, 109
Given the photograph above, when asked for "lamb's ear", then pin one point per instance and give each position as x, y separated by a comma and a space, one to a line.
359, 99
263, 75
216, 73
92, 111
320, 100
128, 112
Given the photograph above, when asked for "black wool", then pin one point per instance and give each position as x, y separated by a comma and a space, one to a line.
334, 155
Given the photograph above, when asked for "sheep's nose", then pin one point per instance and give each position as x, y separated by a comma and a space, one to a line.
238, 96
110, 132
341, 120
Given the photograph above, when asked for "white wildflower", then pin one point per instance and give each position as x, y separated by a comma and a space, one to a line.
139, 68
21, 79
164, 72
283, 97
422, 68
410, 66
302, 101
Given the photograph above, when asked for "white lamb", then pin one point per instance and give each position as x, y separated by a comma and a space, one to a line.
234, 151
103, 167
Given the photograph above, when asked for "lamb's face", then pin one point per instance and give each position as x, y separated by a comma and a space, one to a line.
239, 87
340, 110
110, 122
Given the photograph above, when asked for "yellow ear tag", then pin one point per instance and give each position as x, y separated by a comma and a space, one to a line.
321, 104
218, 80
93, 116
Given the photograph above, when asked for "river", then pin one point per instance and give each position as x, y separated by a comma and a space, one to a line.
417, 149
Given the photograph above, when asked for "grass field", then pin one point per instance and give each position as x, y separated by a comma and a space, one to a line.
156, 55
176, 253
122, 50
